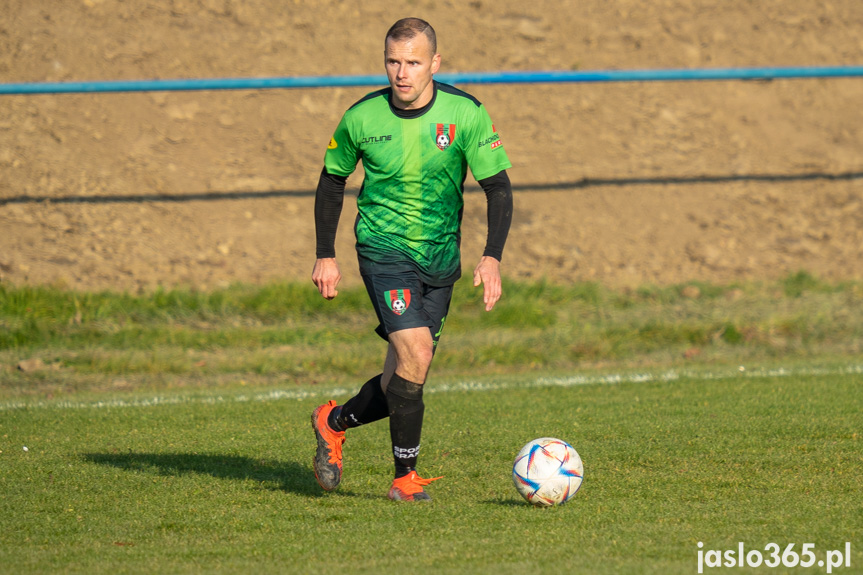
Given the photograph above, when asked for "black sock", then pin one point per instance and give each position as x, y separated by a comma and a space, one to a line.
406, 408
367, 406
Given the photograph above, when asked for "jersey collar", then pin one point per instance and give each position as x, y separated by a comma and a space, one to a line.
409, 114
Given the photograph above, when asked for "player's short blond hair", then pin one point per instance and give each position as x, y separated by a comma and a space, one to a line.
408, 28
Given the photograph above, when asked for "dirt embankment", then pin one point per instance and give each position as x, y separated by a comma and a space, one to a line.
624, 183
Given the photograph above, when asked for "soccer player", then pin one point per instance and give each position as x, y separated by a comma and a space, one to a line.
416, 140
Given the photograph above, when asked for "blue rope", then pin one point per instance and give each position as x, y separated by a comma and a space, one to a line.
458, 78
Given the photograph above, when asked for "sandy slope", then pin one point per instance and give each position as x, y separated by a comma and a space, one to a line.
619, 183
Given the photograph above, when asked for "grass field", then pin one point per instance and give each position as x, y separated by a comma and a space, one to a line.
758, 441
287, 334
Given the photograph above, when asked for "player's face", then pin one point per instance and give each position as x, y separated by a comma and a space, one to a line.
410, 66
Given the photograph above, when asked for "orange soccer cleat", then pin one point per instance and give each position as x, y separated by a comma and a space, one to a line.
328, 457
410, 488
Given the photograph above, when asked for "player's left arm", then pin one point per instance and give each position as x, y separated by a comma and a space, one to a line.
498, 193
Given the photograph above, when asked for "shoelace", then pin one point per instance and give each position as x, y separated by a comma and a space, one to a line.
413, 483
336, 447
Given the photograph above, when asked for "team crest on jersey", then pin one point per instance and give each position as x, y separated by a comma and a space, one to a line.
398, 300
443, 135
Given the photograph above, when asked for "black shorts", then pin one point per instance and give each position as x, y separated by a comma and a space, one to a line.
403, 301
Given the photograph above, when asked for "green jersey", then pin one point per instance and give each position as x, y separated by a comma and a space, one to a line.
410, 204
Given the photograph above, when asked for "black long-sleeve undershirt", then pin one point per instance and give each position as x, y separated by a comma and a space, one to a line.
498, 193
330, 194
329, 198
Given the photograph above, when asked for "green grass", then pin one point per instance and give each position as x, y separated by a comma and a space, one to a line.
168, 431
210, 482
262, 335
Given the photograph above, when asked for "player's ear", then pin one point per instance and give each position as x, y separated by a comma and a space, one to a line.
435, 63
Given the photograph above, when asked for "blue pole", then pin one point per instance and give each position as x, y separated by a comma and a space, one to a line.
655, 75
455, 78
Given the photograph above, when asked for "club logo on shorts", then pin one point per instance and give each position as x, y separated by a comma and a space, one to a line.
398, 300
443, 135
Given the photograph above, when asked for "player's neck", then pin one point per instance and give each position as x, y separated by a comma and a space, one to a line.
414, 112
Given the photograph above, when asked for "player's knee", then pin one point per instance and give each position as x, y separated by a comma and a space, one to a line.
424, 355
413, 352
415, 365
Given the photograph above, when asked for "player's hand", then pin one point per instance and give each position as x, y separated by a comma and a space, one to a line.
326, 276
487, 273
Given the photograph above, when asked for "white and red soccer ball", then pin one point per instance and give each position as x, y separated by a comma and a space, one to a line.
547, 471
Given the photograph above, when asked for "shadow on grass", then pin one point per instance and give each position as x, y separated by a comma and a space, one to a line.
507, 502
290, 476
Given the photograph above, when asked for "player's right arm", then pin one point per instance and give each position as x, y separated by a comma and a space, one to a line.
329, 198
326, 276
340, 161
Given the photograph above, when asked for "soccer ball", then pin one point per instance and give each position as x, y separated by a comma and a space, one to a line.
547, 471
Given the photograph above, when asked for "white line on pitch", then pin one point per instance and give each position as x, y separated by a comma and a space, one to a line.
464, 386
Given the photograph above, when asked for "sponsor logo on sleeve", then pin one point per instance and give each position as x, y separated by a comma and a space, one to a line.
493, 141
